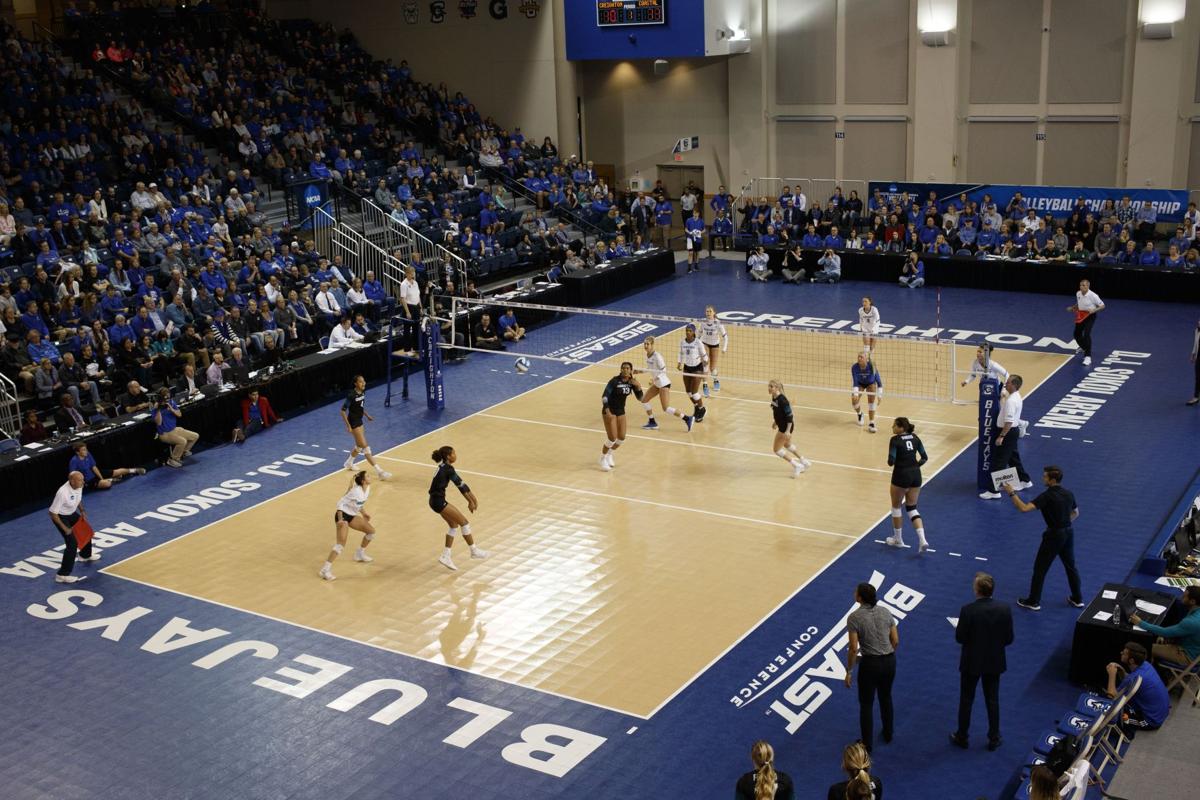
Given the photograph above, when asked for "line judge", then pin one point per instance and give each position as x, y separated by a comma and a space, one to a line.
65, 511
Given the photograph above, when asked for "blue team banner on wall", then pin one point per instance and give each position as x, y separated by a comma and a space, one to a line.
989, 408
1057, 200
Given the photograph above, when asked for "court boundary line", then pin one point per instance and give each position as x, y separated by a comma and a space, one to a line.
594, 493
643, 437
835, 559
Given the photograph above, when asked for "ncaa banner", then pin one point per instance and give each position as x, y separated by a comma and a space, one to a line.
989, 409
1057, 200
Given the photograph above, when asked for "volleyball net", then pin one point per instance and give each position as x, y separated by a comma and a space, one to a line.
809, 358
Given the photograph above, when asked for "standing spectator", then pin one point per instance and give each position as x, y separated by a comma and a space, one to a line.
1087, 305
984, 630
166, 421
873, 632
84, 463
764, 783
1147, 708
856, 763
1006, 453
687, 204
65, 511
662, 219
1058, 540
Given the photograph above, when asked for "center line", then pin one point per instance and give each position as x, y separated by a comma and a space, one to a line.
590, 493
673, 441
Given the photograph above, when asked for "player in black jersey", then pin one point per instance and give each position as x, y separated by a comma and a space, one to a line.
906, 456
445, 457
784, 424
613, 411
353, 411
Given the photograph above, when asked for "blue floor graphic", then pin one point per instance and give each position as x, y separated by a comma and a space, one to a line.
165, 696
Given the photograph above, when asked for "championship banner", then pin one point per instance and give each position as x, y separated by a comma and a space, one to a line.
989, 410
431, 355
1171, 204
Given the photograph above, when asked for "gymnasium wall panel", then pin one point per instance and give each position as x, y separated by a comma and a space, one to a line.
875, 150
1001, 152
1087, 50
804, 149
1081, 153
1006, 51
878, 72
805, 51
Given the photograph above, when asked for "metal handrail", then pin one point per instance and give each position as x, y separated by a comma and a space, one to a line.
517, 188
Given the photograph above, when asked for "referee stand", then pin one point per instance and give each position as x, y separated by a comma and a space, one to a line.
428, 356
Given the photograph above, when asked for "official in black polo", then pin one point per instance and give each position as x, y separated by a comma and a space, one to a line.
984, 629
1058, 541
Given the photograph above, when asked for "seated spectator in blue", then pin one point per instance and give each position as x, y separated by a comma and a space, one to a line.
119, 331
1180, 241
811, 238
84, 463
404, 191
941, 247
1130, 256
113, 303
317, 169
146, 288
1147, 709
1017, 207
1042, 236
489, 217
212, 279
768, 238
39, 349
1019, 242
870, 244
470, 241
32, 319
834, 240
1173, 259
46, 257
60, 209
510, 329
912, 274
377, 294
929, 233
1149, 256
721, 231
967, 235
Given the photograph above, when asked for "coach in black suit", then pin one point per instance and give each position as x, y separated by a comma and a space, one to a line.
984, 630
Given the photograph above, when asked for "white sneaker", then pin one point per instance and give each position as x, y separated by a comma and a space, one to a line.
798, 468
860, 419
923, 545
989, 495
479, 554
349, 464
871, 428
894, 541
1023, 427
92, 557
1025, 485
446, 561
384, 475
364, 557
612, 462
1087, 361
805, 462
327, 574
68, 578
604, 466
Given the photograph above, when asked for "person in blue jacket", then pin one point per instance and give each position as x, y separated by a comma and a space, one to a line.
662, 219
694, 232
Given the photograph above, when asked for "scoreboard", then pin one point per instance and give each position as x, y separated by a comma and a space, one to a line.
611, 13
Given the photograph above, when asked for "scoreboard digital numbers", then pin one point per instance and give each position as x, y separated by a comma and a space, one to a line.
612, 13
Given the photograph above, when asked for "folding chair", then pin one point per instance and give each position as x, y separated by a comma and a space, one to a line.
1182, 676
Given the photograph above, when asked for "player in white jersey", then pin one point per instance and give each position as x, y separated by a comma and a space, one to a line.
693, 363
349, 514
660, 386
868, 322
716, 341
985, 366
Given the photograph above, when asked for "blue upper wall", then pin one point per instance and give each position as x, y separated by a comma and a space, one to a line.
681, 36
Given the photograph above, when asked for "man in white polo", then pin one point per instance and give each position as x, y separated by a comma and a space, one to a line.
65, 511
1005, 453
1087, 305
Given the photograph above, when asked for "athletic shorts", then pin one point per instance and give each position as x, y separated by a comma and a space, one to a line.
438, 504
696, 370
787, 427
355, 424
342, 516
613, 411
907, 479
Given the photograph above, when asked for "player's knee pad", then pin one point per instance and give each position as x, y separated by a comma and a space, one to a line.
854, 393
783, 453
913, 514
617, 443
871, 406
368, 537
452, 532
366, 451
648, 407
337, 548
896, 513
695, 397
466, 529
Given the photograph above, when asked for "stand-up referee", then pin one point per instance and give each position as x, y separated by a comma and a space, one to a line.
65, 511
1058, 541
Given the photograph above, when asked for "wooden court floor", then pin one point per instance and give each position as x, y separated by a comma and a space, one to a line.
616, 588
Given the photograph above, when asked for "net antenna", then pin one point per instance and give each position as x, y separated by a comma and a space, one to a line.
920, 368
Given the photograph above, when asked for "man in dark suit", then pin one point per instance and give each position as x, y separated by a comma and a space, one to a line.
984, 629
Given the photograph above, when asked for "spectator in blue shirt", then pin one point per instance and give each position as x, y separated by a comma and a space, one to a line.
1149, 256
719, 202
1180, 241
967, 235
212, 279
84, 463
663, 211
1147, 709
119, 331
39, 349
929, 233
811, 239
912, 274
166, 422
766, 239
46, 257
721, 231
32, 319
1130, 256
834, 240
1173, 258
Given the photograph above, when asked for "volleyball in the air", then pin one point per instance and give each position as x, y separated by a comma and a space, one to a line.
522, 365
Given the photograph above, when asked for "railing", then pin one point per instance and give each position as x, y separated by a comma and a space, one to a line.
359, 254
10, 408
518, 188
400, 238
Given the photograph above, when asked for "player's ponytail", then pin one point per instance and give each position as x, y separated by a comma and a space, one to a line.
905, 425
859, 787
855, 763
441, 454
765, 778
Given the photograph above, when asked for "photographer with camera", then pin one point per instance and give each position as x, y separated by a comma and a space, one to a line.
831, 268
759, 264
166, 421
